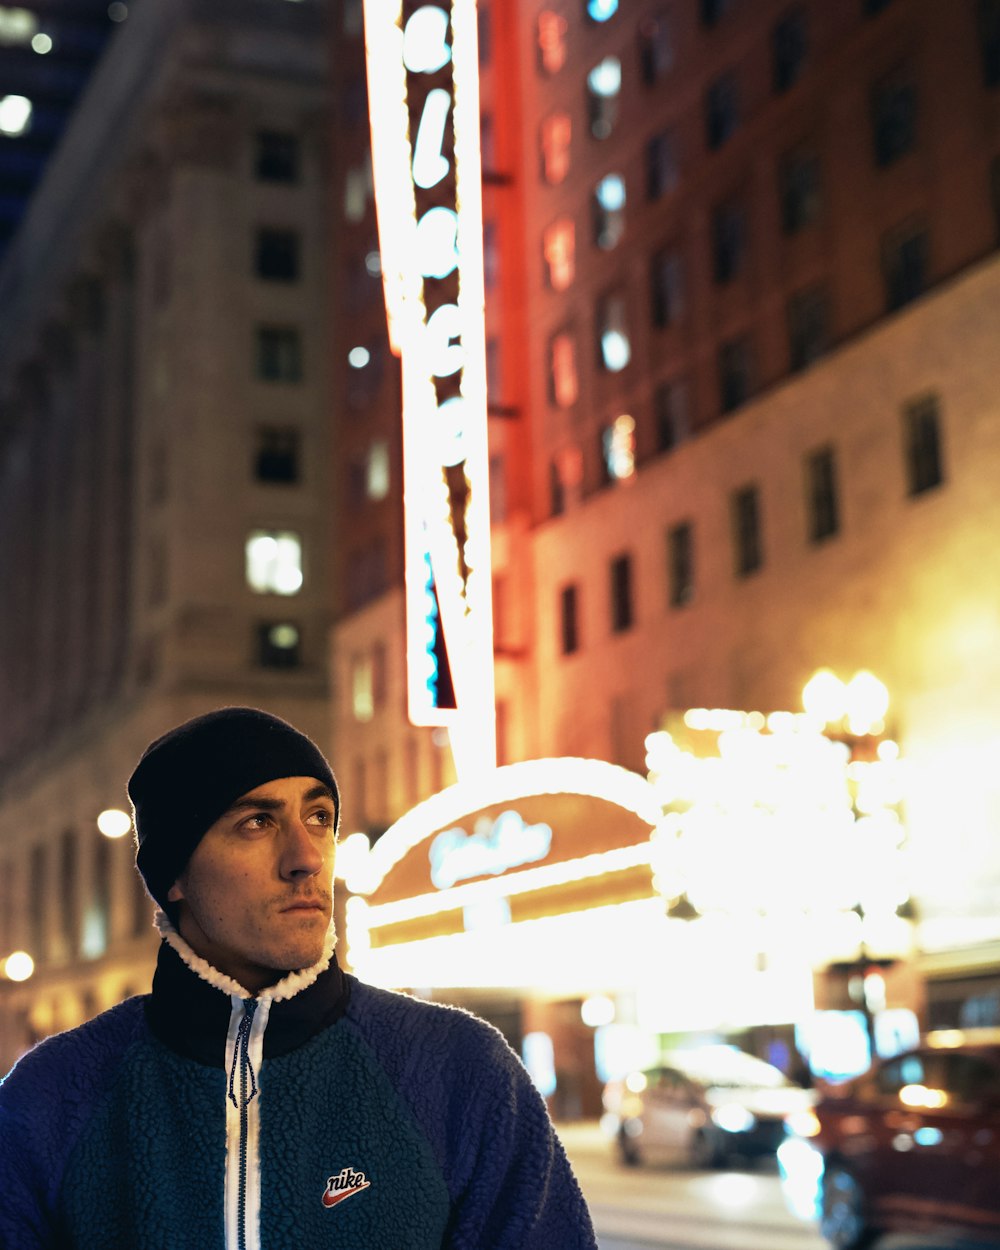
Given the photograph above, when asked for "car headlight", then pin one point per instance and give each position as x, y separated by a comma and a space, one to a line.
732, 1118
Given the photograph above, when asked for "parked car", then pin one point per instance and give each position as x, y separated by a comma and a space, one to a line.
704, 1106
913, 1146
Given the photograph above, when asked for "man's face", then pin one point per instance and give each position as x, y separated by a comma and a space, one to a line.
257, 894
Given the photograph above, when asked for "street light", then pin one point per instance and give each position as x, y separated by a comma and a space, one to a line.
18, 966
114, 823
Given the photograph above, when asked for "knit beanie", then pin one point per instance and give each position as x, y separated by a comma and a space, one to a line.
190, 776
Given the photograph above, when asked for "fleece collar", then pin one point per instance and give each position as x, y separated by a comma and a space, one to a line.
189, 1008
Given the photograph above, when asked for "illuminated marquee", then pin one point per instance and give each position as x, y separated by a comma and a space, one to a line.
424, 103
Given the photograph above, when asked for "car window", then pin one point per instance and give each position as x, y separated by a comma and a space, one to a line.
969, 1078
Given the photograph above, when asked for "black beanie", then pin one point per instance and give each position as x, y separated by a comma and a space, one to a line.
188, 778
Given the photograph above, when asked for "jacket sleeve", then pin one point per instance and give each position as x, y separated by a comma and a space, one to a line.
517, 1190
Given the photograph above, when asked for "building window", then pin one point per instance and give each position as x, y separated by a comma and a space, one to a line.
894, 118
68, 908
557, 488
274, 562
922, 441
656, 48
277, 255
609, 211
551, 35
666, 283
808, 327
279, 354
671, 412
38, 910
736, 380
491, 255
358, 190
563, 384
747, 545
604, 84
662, 173
988, 14
276, 459
614, 347
277, 156
800, 190
600, 10
788, 47
722, 113
556, 134
622, 611
713, 11
279, 644
97, 914
729, 241
680, 564
904, 266
821, 494
617, 448
569, 619
559, 250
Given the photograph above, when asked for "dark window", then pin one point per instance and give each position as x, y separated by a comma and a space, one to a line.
666, 282
68, 909
988, 13
662, 174
569, 619
37, 899
747, 547
671, 412
278, 644
801, 194
656, 48
922, 441
277, 456
821, 494
894, 118
279, 354
680, 563
485, 34
277, 156
735, 373
713, 11
808, 327
622, 615
904, 266
789, 45
557, 490
491, 254
277, 255
729, 241
721, 110
871, 7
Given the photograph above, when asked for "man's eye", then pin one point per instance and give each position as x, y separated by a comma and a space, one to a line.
322, 817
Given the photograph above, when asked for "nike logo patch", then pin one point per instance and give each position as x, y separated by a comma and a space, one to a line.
345, 1184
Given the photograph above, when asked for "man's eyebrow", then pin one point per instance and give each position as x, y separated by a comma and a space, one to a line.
318, 791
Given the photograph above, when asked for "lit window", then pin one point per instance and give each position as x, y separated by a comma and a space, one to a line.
362, 688
377, 471
562, 369
15, 115
558, 246
551, 41
609, 211
278, 645
17, 26
358, 190
612, 328
557, 131
274, 562
604, 84
618, 448
601, 10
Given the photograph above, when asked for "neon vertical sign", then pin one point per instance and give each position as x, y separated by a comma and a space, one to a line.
423, 86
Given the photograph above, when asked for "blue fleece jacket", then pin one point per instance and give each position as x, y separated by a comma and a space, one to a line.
342, 1116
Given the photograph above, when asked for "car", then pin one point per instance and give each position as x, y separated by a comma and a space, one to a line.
912, 1146
702, 1105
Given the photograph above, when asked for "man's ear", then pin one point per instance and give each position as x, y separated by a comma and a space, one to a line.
175, 893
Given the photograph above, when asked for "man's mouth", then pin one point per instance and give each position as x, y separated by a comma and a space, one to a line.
306, 904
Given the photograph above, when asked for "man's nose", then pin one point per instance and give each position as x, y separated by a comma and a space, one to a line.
301, 851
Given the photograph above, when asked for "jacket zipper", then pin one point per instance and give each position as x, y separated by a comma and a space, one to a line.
244, 1052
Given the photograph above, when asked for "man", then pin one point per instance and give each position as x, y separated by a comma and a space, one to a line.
259, 1097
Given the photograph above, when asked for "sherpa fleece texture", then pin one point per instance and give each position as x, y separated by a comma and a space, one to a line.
109, 1138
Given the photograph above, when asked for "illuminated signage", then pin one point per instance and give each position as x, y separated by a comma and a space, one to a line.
424, 103
492, 848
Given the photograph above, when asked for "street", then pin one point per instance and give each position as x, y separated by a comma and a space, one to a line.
681, 1209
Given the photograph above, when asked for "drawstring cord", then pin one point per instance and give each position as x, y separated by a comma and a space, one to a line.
241, 1058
